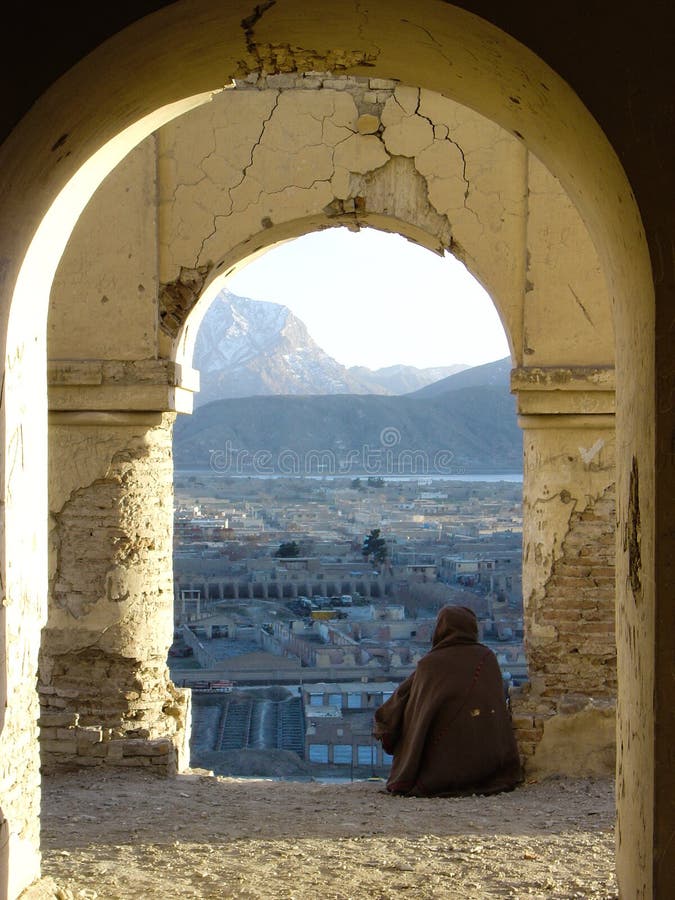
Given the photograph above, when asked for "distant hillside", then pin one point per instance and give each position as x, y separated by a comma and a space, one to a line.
493, 374
401, 379
472, 429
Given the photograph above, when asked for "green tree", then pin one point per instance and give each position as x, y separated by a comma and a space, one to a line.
288, 550
375, 547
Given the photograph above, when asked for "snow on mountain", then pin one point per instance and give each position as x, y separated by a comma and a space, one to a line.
235, 330
249, 348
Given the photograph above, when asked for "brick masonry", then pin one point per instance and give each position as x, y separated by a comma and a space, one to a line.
574, 668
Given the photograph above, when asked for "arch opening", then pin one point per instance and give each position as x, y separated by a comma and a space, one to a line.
333, 752
557, 622
356, 282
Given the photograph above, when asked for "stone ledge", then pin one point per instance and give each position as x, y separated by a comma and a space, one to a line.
563, 420
95, 372
557, 390
563, 378
110, 385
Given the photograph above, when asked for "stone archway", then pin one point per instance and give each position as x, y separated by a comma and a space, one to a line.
540, 106
269, 159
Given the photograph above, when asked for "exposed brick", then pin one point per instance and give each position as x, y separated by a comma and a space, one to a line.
146, 748
60, 746
521, 723
579, 602
48, 734
128, 761
56, 720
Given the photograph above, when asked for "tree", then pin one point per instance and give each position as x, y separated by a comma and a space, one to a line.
375, 547
288, 550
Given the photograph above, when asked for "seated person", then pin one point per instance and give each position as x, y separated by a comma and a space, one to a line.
447, 725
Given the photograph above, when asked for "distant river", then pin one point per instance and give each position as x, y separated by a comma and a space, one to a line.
468, 476
504, 476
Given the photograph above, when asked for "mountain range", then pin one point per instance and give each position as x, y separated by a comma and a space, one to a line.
280, 404
248, 348
273, 402
494, 374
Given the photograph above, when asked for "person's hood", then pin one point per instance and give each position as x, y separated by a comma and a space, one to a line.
455, 625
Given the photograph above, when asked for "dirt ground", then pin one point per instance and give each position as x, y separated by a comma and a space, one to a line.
130, 835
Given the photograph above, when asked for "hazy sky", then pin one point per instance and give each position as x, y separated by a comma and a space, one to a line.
375, 299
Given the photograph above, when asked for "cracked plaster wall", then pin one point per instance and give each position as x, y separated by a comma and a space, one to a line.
281, 155
105, 695
277, 156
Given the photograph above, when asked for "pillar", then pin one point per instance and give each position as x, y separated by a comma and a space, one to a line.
105, 693
565, 716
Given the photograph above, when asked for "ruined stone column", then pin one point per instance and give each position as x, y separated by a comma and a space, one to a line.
105, 692
565, 717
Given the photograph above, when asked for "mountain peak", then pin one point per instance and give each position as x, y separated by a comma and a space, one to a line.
250, 347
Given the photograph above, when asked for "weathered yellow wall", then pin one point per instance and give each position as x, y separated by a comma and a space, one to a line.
567, 318
281, 155
108, 274
189, 48
567, 416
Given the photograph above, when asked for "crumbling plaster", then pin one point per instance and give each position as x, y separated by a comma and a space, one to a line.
579, 741
276, 156
116, 480
570, 634
565, 471
106, 697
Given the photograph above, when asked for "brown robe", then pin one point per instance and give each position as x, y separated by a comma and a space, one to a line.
447, 725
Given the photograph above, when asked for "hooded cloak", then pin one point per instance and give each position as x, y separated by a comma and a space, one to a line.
447, 725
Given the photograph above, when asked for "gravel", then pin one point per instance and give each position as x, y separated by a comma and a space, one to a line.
120, 835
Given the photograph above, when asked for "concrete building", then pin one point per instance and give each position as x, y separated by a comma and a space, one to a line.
339, 724
536, 147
